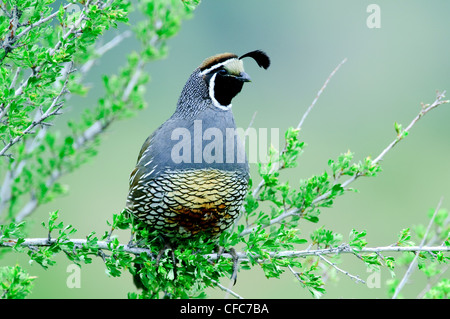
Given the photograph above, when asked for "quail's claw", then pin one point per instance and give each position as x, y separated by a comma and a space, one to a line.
232, 252
131, 241
220, 251
161, 252
235, 265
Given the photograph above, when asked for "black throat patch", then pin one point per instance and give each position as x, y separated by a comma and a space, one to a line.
226, 88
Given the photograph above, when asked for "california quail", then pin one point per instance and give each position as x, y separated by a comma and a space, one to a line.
192, 173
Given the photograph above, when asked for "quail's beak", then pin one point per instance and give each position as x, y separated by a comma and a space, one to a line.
244, 77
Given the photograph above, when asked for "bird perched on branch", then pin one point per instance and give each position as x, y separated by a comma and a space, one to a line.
192, 173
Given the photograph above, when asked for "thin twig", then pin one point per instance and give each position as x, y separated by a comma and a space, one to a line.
227, 290
295, 274
319, 93
241, 256
412, 265
343, 249
105, 48
355, 278
44, 242
295, 210
299, 125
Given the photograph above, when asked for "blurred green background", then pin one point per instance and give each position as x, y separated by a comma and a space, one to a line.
389, 72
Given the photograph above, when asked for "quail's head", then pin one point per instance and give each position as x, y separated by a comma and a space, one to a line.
218, 80
224, 74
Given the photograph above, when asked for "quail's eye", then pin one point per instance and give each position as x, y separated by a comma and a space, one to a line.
222, 72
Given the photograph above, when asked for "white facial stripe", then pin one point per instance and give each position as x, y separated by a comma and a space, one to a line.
211, 95
234, 63
216, 66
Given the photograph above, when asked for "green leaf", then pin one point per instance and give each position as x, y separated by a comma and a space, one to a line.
357, 241
326, 238
398, 128
441, 290
15, 282
404, 238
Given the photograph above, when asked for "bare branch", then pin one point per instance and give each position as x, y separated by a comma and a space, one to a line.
342, 249
355, 278
295, 210
241, 256
299, 125
412, 265
227, 290
44, 242
319, 93
427, 108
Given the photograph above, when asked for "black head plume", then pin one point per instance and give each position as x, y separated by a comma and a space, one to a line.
259, 56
